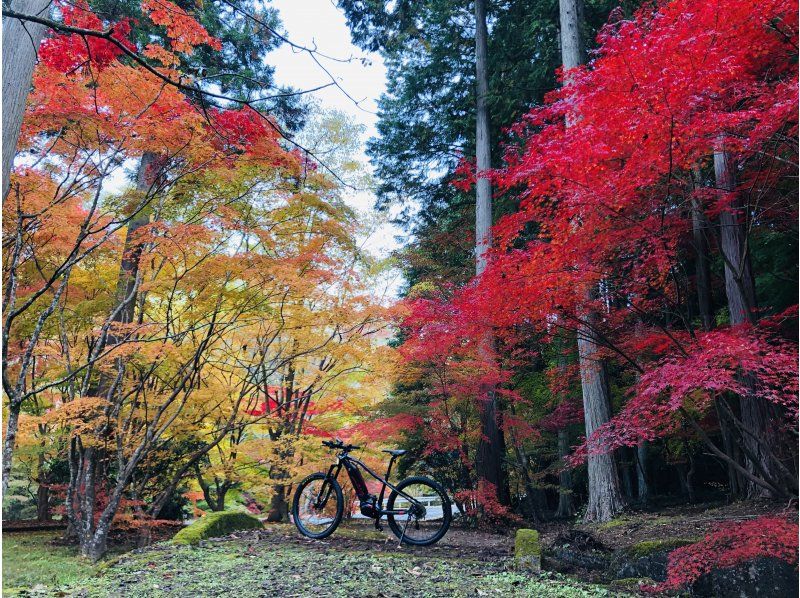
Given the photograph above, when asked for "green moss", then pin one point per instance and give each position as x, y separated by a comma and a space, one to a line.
214, 525
230, 568
649, 547
631, 582
614, 523
31, 559
526, 543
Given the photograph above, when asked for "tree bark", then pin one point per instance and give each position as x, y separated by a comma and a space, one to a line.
605, 498
125, 300
278, 506
642, 486
491, 446
483, 188
739, 284
759, 436
12, 426
42, 493
573, 49
566, 509
702, 271
20, 47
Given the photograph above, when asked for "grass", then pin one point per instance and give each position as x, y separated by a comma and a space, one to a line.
30, 559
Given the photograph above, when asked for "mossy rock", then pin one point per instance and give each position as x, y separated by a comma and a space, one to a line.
526, 543
646, 559
528, 550
648, 547
631, 583
214, 525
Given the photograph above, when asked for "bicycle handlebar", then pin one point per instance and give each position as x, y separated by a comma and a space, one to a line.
338, 444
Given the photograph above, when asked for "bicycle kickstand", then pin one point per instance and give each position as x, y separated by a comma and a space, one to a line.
403, 535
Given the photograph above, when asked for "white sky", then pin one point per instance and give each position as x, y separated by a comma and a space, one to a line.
321, 23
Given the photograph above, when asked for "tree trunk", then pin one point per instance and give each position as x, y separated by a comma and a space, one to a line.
626, 470
739, 284
759, 437
566, 508
573, 51
483, 188
642, 486
12, 425
20, 46
125, 300
42, 493
605, 499
278, 507
531, 507
491, 446
705, 309
702, 271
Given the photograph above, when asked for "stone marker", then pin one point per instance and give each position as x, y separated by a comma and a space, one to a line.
527, 551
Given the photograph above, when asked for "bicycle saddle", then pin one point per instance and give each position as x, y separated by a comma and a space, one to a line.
395, 452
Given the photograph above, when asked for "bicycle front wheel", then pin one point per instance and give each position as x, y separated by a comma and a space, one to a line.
427, 517
318, 506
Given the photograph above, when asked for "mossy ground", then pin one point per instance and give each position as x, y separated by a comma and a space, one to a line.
273, 563
260, 569
30, 559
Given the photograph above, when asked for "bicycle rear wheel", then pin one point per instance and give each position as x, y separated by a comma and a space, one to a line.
427, 520
318, 506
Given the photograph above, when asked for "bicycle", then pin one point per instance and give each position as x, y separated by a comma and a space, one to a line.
418, 510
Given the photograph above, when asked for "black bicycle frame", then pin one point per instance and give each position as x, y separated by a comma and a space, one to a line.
351, 464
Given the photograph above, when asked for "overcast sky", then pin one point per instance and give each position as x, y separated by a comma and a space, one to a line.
320, 22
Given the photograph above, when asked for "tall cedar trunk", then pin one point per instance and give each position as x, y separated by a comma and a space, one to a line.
20, 46
605, 499
759, 438
531, 505
566, 509
642, 485
702, 271
626, 466
491, 446
706, 312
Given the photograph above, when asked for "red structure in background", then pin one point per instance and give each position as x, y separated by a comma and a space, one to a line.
277, 400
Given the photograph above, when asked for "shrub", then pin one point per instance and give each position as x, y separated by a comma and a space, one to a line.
729, 545
482, 507
214, 525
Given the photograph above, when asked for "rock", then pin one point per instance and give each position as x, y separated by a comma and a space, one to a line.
575, 549
631, 583
645, 559
216, 524
761, 577
527, 550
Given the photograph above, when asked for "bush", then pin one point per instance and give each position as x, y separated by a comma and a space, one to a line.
729, 545
214, 525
